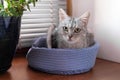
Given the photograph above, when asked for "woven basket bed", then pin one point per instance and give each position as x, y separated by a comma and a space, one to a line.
61, 61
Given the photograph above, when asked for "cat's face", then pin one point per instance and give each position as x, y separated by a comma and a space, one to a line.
72, 29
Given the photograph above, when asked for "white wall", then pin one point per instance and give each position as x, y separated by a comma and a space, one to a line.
79, 7
105, 21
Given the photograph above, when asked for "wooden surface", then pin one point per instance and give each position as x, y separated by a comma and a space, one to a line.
103, 70
69, 7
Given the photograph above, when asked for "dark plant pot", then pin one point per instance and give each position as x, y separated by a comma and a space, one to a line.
9, 36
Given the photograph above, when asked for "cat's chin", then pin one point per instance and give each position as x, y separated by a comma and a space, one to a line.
70, 41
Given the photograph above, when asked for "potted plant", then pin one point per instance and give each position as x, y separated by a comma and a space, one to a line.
10, 21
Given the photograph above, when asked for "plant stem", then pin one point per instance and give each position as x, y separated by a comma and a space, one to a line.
2, 2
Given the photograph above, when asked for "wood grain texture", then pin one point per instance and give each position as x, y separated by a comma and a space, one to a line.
103, 70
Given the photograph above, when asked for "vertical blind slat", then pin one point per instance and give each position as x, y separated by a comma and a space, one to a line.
36, 22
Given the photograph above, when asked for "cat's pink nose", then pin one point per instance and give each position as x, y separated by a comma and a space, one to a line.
70, 36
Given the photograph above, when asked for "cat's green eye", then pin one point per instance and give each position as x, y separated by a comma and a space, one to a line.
77, 30
65, 28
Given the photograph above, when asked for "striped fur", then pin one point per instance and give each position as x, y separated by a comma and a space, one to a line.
70, 33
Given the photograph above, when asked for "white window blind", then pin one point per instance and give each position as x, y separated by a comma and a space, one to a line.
36, 22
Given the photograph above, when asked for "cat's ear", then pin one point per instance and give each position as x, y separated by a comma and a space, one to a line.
85, 17
62, 14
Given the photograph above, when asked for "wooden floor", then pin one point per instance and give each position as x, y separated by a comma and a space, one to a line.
103, 70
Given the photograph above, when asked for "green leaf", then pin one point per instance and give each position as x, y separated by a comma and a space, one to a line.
1, 6
22, 1
15, 7
28, 7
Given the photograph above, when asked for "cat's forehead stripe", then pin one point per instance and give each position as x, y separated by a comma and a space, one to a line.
72, 23
69, 23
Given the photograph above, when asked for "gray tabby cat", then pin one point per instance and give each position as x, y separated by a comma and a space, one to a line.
70, 33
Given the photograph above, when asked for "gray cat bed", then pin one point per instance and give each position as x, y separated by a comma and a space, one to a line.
61, 61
